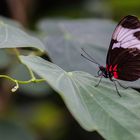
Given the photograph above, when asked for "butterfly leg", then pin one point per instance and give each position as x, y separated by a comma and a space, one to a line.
121, 85
99, 80
116, 87
99, 74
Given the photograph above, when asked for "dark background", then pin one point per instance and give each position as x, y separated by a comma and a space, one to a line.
45, 116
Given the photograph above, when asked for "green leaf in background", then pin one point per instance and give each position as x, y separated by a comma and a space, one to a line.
5, 59
13, 131
13, 37
95, 108
98, 8
46, 117
87, 31
65, 38
125, 8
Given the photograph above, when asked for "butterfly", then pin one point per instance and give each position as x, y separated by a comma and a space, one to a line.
123, 57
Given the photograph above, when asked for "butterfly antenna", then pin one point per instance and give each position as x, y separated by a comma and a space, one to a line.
90, 58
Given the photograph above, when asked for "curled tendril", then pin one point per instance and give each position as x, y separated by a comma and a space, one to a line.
15, 88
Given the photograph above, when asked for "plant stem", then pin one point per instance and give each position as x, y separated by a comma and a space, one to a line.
30, 71
17, 82
21, 82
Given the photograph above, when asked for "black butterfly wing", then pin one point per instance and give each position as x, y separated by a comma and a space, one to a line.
123, 58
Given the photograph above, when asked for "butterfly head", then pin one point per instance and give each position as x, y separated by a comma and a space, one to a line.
103, 71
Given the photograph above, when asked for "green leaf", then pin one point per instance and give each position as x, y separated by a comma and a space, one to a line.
10, 22
13, 37
95, 108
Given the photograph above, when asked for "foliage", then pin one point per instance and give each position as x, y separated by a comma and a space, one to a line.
15, 131
95, 108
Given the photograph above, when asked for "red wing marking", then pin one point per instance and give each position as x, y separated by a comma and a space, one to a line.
115, 74
113, 70
110, 68
115, 67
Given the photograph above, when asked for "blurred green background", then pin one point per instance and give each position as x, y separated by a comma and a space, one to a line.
37, 112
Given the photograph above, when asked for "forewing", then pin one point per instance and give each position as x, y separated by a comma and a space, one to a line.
124, 50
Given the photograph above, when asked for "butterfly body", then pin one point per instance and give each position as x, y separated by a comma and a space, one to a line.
108, 72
